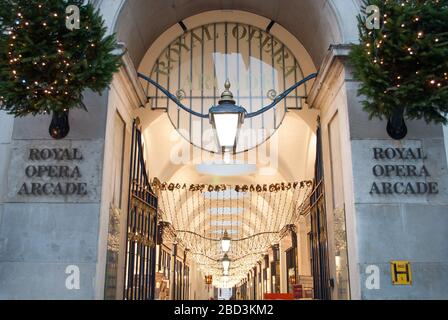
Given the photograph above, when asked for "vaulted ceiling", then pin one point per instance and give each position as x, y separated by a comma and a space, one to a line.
316, 23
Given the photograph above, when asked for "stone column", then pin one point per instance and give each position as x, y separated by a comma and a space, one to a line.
399, 215
48, 233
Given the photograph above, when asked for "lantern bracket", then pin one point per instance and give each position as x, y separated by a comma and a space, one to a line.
276, 101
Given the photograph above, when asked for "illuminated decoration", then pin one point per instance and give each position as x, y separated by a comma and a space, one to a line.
253, 216
225, 242
194, 67
208, 281
259, 188
45, 67
402, 66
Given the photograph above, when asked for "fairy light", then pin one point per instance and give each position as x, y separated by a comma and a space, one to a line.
27, 71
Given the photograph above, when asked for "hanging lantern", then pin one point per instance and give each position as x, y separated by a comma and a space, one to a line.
208, 281
225, 242
226, 119
225, 263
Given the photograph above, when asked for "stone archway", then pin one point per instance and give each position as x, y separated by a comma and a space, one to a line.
139, 23
316, 23
40, 238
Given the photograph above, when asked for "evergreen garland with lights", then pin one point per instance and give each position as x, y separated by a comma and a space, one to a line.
44, 66
403, 65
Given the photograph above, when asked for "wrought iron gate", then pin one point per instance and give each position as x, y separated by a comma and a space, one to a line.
141, 227
319, 239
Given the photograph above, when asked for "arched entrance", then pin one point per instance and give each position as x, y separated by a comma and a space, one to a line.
74, 246
70, 247
158, 131
213, 47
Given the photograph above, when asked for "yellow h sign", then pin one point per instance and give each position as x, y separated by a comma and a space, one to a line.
401, 272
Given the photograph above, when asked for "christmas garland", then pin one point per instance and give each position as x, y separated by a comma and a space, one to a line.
44, 65
274, 187
402, 65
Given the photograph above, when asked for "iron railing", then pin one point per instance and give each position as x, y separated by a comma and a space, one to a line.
319, 238
142, 221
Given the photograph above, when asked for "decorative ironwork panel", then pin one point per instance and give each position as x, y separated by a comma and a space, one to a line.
319, 239
141, 228
195, 66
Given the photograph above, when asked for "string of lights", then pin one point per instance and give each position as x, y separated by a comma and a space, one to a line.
227, 229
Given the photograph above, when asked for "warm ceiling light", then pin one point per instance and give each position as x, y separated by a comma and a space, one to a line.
225, 263
225, 242
226, 119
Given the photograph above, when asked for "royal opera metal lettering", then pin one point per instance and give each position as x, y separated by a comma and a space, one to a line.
265, 42
196, 63
404, 171
53, 172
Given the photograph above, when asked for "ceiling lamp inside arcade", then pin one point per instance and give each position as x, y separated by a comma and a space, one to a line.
227, 210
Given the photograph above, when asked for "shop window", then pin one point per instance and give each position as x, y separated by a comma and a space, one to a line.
291, 268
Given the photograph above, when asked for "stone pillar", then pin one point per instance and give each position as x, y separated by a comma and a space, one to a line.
48, 233
283, 271
398, 215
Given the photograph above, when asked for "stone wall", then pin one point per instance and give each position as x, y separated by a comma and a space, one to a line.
407, 224
43, 232
395, 204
